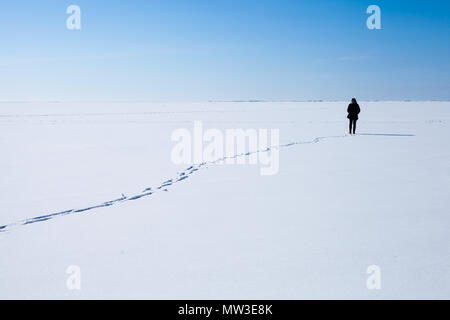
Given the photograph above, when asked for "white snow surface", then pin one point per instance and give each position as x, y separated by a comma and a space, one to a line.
336, 206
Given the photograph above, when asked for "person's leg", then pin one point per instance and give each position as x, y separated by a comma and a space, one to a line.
354, 126
349, 126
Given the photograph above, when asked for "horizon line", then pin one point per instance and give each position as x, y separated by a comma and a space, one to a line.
213, 101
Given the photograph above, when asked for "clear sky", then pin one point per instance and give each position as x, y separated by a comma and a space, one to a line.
185, 50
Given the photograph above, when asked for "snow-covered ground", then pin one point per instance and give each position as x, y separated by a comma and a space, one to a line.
337, 205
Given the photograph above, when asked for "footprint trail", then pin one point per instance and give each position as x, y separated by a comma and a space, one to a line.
181, 176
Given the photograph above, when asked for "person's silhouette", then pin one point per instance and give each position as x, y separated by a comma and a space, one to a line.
353, 111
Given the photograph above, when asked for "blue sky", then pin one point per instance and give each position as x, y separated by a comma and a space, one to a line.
185, 50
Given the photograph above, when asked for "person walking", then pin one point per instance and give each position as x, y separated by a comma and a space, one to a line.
353, 110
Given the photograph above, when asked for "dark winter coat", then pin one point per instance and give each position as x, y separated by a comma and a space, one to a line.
353, 111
